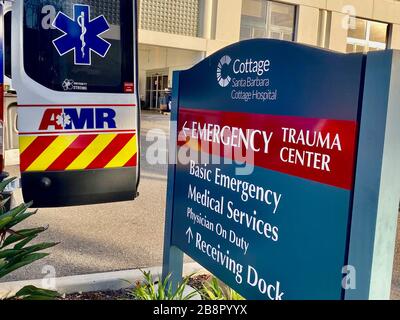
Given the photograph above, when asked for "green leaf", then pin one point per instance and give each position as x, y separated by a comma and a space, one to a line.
8, 253
4, 221
21, 255
28, 251
216, 291
37, 247
24, 242
33, 293
21, 217
30, 258
4, 202
7, 217
3, 262
5, 183
22, 234
147, 290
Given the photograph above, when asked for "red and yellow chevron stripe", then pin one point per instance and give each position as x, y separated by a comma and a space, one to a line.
78, 152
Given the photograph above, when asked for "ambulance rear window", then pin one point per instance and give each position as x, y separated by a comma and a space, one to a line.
79, 45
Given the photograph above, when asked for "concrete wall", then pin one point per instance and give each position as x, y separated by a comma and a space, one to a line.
338, 32
382, 10
394, 42
228, 17
363, 8
307, 25
387, 10
161, 39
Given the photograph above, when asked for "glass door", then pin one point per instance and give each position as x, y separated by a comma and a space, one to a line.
155, 86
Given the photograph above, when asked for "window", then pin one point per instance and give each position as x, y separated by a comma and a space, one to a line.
267, 19
156, 83
44, 65
367, 36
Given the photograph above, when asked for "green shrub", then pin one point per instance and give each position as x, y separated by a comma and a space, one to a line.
161, 289
16, 250
214, 290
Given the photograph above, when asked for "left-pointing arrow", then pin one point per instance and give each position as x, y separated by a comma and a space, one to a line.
184, 129
189, 234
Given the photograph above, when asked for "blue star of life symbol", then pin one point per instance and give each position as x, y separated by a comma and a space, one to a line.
81, 35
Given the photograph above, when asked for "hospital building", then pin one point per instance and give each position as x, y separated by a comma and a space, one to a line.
176, 34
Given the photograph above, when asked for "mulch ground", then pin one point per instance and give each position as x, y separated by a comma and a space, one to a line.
111, 295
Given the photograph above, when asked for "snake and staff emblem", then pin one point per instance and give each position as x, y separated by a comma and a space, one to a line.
81, 35
81, 23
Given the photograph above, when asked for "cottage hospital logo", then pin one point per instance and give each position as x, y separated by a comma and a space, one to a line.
223, 78
240, 68
81, 35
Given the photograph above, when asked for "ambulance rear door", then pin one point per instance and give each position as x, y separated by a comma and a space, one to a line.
74, 69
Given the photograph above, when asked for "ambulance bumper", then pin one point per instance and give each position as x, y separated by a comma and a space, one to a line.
73, 188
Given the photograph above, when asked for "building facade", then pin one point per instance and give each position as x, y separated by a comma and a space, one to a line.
176, 34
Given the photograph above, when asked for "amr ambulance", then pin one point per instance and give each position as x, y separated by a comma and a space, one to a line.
74, 68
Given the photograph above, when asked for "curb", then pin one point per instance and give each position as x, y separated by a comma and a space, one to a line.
107, 281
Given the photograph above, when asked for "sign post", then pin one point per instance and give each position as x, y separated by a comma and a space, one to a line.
267, 187
377, 190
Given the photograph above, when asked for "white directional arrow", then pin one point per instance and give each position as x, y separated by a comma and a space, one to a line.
189, 234
185, 129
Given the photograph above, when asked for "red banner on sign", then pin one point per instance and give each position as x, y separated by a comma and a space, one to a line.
320, 150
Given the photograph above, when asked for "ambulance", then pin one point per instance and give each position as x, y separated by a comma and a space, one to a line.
74, 71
